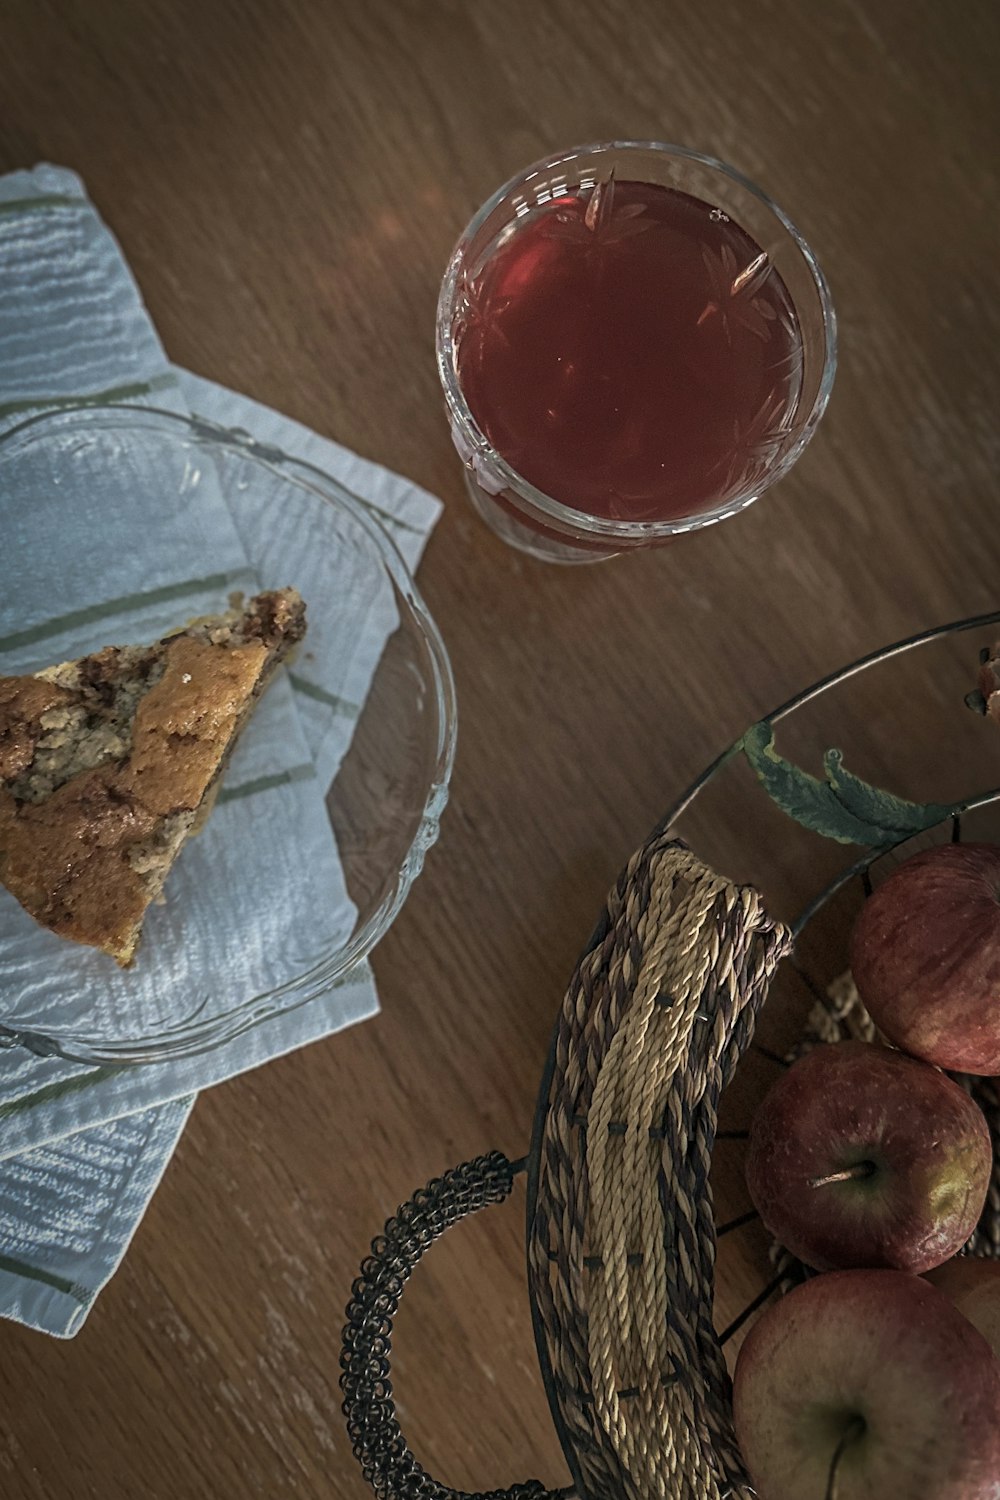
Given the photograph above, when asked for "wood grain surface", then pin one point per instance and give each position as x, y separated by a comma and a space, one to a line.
287, 180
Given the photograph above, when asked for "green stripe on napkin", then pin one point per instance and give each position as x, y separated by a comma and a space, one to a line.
126, 603
266, 783
33, 1273
313, 690
113, 393
59, 1089
42, 200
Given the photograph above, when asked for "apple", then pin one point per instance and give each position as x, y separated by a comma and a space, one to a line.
925, 955
861, 1156
868, 1385
973, 1285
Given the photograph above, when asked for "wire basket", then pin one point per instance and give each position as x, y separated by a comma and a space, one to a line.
634, 1177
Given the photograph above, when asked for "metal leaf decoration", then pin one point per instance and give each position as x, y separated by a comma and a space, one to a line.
841, 807
880, 808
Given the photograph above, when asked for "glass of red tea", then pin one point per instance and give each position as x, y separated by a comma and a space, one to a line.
634, 342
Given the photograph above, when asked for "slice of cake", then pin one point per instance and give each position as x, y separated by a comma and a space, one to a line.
109, 763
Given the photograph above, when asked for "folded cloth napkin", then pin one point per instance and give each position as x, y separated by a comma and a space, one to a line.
83, 1147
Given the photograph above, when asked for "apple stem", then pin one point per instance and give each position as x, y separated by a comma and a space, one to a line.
855, 1429
850, 1174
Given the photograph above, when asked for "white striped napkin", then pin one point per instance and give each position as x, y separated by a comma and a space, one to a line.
81, 1148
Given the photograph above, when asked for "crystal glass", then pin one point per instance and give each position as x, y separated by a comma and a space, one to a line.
757, 283
383, 800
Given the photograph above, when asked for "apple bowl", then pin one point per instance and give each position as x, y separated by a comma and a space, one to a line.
647, 1263
904, 722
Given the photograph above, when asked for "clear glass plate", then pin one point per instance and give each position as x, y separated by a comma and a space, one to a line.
121, 524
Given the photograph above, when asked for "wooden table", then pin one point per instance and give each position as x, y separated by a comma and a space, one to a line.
287, 181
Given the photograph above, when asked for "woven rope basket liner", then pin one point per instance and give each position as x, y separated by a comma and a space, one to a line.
621, 1232
622, 1241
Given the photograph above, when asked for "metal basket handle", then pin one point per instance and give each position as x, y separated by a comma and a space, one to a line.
379, 1445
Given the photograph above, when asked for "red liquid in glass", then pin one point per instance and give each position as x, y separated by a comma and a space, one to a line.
631, 352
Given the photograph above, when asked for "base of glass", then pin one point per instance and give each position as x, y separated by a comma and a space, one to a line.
525, 538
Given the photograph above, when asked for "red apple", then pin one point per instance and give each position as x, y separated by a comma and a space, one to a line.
861, 1156
925, 955
974, 1287
874, 1378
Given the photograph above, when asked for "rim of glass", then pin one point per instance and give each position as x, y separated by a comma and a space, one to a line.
602, 526
201, 1036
